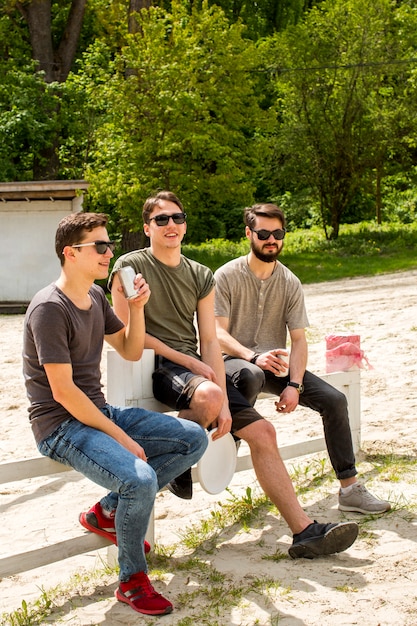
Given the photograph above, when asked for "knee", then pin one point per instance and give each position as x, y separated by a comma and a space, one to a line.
208, 400
145, 478
197, 437
337, 403
260, 434
267, 432
251, 382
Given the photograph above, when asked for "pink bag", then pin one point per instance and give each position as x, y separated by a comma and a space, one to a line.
343, 353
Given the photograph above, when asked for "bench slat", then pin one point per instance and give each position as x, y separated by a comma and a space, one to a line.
30, 468
17, 563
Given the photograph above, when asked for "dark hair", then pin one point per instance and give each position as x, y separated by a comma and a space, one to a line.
72, 228
153, 201
264, 210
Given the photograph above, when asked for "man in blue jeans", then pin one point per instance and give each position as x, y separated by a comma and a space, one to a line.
131, 452
259, 300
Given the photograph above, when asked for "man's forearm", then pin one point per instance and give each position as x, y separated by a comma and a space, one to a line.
229, 345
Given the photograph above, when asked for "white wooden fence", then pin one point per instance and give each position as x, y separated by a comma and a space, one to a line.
130, 384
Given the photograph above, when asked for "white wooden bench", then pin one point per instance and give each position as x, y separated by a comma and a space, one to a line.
130, 384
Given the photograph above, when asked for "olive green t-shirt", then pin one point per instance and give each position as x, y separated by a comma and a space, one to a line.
175, 292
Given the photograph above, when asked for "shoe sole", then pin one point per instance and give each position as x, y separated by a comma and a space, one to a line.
355, 509
122, 598
106, 534
337, 539
180, 493
98, 531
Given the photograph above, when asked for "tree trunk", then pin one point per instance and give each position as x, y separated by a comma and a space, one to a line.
134, 7
54, 62
134, 241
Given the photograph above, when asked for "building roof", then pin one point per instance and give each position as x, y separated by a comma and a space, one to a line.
42, 190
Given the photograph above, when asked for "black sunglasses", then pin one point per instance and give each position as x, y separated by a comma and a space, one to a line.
263, 234
101, 246
162, 220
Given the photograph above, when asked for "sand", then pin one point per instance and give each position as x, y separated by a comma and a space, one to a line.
373, 583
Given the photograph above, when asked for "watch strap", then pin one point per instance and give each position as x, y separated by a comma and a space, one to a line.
298, 386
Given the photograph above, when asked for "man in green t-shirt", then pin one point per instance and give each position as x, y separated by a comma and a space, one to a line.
190, 376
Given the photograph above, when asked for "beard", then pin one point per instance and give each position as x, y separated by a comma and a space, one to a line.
266, 257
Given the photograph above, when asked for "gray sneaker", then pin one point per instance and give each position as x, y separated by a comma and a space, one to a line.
360, 500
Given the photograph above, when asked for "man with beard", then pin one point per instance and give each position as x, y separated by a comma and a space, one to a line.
258, 300
190, 375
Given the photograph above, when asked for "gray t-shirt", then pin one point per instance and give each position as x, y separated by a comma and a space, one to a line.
259, 311
56, 331
175, 292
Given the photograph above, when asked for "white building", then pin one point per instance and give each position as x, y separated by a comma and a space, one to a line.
29, 215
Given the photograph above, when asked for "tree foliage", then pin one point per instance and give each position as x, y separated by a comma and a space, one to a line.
181, 114
343, 81
307, 102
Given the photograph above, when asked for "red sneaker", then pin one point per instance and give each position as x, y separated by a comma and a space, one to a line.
142, 597
94, 521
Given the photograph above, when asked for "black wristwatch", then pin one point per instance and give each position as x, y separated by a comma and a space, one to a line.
300, 388
255, 356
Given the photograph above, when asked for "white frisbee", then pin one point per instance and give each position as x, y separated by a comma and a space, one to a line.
216, 467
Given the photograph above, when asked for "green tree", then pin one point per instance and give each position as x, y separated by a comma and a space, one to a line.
40, 118
343, 92
184, 117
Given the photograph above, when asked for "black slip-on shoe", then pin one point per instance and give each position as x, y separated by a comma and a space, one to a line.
323, 539
182, 486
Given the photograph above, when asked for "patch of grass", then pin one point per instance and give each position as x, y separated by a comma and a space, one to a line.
51, 600
234, 510
346, 589
276, 557
309, 474
31, 614
363, 249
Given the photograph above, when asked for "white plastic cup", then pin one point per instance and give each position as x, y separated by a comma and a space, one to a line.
285, 357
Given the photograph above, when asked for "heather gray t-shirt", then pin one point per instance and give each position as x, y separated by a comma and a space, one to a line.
56, 331
175, 292
259, 311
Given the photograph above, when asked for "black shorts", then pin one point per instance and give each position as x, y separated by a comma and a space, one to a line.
174, 385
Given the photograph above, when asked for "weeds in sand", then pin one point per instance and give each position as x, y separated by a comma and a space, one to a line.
28, 615
50, 600
368, 536
277, 556
269, 586
392, 467
311, 474
212, 592
346, 589
235, 510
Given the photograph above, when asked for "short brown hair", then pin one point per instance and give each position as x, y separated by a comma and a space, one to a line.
72, 228
153, 201
266, 210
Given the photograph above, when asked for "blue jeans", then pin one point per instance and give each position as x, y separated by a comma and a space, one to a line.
318, 395
172, 445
